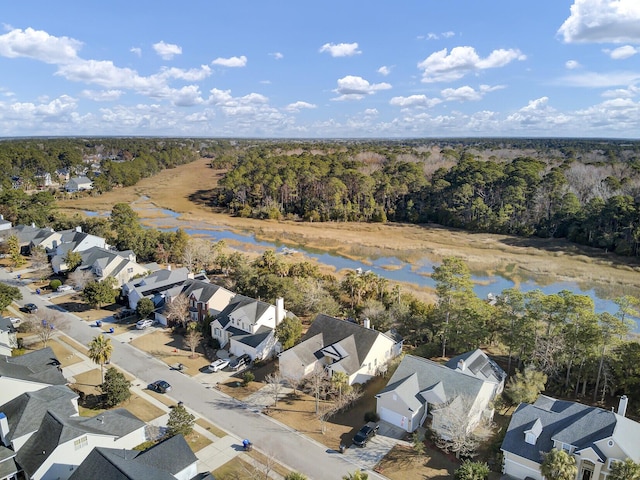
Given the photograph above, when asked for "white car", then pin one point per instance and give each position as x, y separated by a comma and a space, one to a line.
14, 320
144, 323
64, 288
218, 365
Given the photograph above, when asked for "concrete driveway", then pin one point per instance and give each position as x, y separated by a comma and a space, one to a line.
388, 436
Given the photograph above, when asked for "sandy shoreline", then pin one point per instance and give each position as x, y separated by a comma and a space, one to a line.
186, 189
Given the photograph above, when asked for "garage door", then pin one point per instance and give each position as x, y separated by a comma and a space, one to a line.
393, 418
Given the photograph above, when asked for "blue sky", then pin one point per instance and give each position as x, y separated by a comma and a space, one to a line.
374, 69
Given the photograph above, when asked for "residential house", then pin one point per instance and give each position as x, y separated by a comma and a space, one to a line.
25, 235
420, 388
8, 340
340, 345
596, 438
247, 326
43, 180
154, 285
74, 240
170, 459
78, 184
476, 363
105, 263
51, 439
28, 373
205, 298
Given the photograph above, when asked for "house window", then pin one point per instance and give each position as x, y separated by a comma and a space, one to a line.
80, 443
130, 270
566, 447
611, 462
217, 331
530, 438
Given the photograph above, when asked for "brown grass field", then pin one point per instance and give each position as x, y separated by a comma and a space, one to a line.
187, 190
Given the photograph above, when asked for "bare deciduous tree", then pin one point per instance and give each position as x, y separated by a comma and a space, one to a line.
47, 323
80, 278
40, 262
192, 338
319, 384
451, 423
274, 383
178, 309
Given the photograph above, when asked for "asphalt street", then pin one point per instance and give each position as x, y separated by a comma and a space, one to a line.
271, 438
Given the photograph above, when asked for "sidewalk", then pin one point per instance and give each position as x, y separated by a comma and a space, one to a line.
213, 456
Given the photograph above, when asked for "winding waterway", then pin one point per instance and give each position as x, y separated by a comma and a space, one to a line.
391, 268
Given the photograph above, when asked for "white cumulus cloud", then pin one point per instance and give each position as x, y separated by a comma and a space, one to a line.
467, 93
231, 62
622, 53
299, 105
136, 51
102, 95
355, 88
277, 55
414, 101
445, 66
597, 21
340, 49
167, 51
572, 64
39, 45
384, 70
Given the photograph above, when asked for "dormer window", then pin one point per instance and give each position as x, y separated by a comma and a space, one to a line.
531, 435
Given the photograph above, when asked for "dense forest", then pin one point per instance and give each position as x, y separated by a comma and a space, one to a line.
584, 191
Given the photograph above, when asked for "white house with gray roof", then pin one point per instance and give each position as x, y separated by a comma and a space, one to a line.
420, 388
247, 325
155, 285
104, 263
336, 345
8, 339
51, 439
596, 438
170, 459
28, 373
78, 184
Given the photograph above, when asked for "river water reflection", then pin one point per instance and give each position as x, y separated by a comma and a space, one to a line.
391, 268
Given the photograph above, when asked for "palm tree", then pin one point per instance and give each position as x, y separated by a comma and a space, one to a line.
627, 470
100, 350
558, 465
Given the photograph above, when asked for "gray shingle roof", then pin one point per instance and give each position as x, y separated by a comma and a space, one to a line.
252, 307
55, 429
253, 340
159, 462
38, 366
25, 412
568, 422
8, 465
428, 375
477, 363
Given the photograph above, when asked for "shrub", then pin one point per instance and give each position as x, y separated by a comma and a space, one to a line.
371, 417
54, 284
26, 326
247, 378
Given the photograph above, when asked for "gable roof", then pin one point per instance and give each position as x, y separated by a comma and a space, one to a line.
253, 309
158, 281
415, 375
478, 364
25, 412
158, 462
200, 289
255, 339
334, 330
571, 423
8, 465
38, 366
55, 430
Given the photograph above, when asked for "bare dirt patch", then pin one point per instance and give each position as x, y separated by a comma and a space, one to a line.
169, 347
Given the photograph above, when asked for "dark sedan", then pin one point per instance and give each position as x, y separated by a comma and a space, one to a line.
160, 386
365, 433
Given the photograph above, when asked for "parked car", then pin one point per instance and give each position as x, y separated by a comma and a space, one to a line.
368, 431
239, 362
144, 323
30, 308
159, 386
14, 320
64, 288
218, 364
